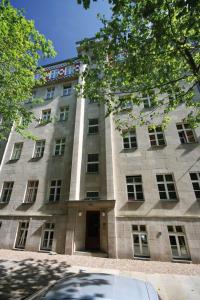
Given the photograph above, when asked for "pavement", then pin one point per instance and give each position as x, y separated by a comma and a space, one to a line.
24, 273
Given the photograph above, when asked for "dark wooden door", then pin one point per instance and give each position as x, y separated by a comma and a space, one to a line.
92, 237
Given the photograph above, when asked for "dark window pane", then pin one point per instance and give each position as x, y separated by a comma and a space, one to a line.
163, 195
193, 176
159, 177
169, 177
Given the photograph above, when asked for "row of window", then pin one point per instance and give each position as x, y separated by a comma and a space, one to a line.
165, 183
50, 92
177, 239
62, 116
46, 240
59, 149
157, 137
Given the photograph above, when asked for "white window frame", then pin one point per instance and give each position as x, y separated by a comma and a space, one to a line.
196, 181
59, 147
22, 233
46, 115
140, 233
134, 184
50, 93
96, 197
93, 126
67, 90
56, 188
184, 131
39, 148
9, 190
155, 132
49, 230
63, 113
147, 99
166, 191
129, 135
95, 162
16, 153
31, 191
176, 234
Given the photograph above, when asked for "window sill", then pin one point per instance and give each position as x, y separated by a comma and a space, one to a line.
135, 201
92, 173
36, 158
192, 143
56, 156
156, 147
169, 200
66, 95
12, 161
129, 149
142, 257
62, 121
3, 203
47, 99
96, 133
182, 260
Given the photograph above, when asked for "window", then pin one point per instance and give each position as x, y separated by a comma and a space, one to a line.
186, 134
67, 90
46, 115
39, 148
47, 237
17, 150
92, 195
129, 139
22, 235
140, 241
147, 101
195, 177
156, 136
50, 93
31, 191
6, 191
91, 101
63, 113
55, 188
93, 126
93, 163
166, 187
178, 242
125, 104
134, 188
59, 147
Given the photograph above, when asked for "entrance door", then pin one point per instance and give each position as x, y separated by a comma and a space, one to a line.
92, 237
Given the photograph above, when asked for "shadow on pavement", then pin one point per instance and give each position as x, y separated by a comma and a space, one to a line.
19, 279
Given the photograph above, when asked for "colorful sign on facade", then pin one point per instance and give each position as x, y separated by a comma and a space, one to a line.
61, 71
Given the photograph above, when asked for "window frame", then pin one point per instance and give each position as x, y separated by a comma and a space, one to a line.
19, 151
129, 136
31, 191
56, 188
134, 189
184, 131
68, 88
41, 149
92, 126
44, 120
59, 147
178, 234
196, 181
22, 236
166, 191
65, 113
49, 231
89, 163
147, 99
139, 232
155, 133
87, 197
9, 190
50, 93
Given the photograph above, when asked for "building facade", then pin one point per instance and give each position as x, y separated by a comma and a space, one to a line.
83, 188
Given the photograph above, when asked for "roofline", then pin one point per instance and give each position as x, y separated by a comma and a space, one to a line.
59, 62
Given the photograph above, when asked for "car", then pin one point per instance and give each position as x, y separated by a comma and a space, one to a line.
97, 286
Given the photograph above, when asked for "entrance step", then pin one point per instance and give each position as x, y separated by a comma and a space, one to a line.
91, 253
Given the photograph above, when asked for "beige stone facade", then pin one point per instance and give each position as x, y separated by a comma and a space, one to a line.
117, 202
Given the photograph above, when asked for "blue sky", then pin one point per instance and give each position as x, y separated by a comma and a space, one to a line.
64, 22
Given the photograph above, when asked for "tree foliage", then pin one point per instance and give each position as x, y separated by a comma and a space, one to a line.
146, 48
21, 46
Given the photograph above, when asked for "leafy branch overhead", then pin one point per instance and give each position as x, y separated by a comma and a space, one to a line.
21, 46
147, 51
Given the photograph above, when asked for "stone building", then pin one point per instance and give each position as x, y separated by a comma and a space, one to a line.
82, 188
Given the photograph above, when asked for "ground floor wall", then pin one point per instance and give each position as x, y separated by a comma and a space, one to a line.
117, 236
160, 247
